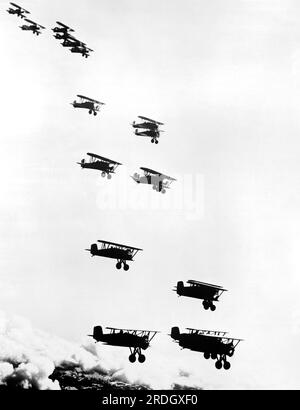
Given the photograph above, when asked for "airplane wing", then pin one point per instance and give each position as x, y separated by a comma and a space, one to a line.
118, 244
103, 158
151, 171
148, 119
64, 25
31, 22
76, 40
20, 8
209, 285
40, 26
90, 99
167, 177
217, 333
132, 330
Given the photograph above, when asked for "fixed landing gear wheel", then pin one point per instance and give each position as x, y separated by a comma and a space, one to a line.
141, 358
152, 140
212, 307
156, 142
226, 365
154, 187
126, 267
218, 364
103, 174
163, 191
119, 265
206, 355
95, 113
205, 304
90, 111
213, 356
132, 358
108, 176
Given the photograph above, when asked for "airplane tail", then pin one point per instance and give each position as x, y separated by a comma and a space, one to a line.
175, 333
97, 333
179, 287
94, 248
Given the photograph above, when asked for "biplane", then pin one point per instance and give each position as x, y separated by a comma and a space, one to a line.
34, 27
19, 11
201, 290
107, 166
82, 49
114, 250
160, 182
150, 128
88, 103
213, 343
71, 41
136, 340
62, 31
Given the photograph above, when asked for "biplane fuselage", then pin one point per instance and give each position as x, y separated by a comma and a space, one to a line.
86, 104
202, 343
121, 338
197, 292
18, 12
111, 252
35, 29
146, 125
81, 50
155, 180
98, 165
148, 133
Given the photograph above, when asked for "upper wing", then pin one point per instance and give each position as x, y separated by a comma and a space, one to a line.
118, 244
149, 119
103, 158
209, 285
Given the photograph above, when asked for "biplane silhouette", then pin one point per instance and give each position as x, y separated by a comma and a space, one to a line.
136, 340
150, 128
160, 182
88, 103
34, 27
213, 343
19, 11
201, 290
114, 250
105, 165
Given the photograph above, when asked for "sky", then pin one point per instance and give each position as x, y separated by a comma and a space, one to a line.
224, 78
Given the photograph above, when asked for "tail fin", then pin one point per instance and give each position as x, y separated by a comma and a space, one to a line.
179, 288
94, 248
175, 332
97, 333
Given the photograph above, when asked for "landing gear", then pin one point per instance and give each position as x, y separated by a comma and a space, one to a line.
213, 356
125, 267
90, 111
218, 364
206, 355
156, 142
103, 174
163, 191
142, 358
119, 265
132, 358
136, 351
152, 140
95, 113
226, 365
108, 176
205, 304
212, 307
222, 362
